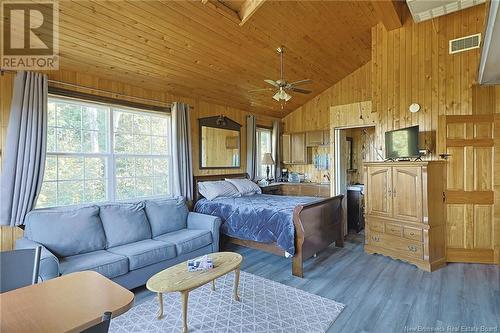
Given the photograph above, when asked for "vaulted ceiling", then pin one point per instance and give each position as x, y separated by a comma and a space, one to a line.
203, 49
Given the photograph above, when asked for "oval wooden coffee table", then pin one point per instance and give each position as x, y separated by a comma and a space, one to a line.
178, 278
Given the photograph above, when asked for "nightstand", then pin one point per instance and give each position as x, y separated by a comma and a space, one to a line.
272, 188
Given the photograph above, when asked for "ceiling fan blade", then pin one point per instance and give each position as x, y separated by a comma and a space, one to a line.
299, 90
262, 89
297, 83
273, 83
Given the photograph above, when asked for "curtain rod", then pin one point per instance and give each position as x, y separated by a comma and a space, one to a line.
108, 92
101, 90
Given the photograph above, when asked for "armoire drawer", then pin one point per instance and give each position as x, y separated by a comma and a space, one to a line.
394, 229
376, 225
412, 233
402, 246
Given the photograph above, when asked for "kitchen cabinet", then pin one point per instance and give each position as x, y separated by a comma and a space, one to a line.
294, 149
286, 153
299, 149
306, 189
314, 138
326, 137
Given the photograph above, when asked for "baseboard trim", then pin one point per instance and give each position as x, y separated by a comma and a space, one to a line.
478, 256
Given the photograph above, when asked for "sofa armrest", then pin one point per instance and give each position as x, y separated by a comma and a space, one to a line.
49, 263
206, 222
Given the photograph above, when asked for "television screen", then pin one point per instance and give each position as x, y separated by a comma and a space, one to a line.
402, 143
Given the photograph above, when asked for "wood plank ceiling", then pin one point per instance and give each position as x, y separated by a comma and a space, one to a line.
190, 49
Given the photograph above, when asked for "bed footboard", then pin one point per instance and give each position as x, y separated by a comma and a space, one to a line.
317, 225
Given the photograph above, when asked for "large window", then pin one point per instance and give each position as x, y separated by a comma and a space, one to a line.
98, 152
264, 145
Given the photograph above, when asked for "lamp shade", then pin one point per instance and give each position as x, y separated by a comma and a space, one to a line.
267, 159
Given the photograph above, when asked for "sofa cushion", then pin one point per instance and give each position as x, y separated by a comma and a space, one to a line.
124, 223
145, 253
106, 263
67, 231
187, 240
166, 215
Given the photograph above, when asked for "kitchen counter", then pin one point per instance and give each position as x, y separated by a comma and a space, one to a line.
297, 189
302, 183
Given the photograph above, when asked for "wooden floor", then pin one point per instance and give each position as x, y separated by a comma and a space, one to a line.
385, 295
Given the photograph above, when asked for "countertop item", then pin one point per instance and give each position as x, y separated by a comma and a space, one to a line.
293, 177
359, 188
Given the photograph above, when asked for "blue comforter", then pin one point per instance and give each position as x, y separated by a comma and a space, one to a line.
260, 217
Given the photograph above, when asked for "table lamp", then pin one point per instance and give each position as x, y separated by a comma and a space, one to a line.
267, 160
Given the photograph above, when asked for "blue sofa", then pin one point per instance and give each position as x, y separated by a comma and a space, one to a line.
126, 242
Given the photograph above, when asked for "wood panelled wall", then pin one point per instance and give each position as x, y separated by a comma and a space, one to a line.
361, 151
315, 114
200, 109
157, 98
412, 65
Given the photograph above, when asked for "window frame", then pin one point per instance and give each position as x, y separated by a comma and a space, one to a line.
110, 156
259, 129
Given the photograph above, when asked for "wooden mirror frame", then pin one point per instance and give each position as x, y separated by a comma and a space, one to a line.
221, 122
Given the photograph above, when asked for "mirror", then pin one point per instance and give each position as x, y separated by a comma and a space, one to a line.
220, 143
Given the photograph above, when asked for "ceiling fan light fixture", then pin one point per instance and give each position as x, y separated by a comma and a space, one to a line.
281, 95
282, 85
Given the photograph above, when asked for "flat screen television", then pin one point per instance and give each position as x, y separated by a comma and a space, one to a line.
402, 143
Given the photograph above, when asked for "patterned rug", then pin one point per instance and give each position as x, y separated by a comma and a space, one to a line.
266, 306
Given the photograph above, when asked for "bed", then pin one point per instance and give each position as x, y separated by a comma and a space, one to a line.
288, 226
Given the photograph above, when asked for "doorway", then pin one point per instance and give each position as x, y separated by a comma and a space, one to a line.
353, 146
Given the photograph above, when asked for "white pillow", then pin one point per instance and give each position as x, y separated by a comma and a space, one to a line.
218, 189
245, 187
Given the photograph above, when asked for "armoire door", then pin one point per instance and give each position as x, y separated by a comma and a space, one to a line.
407, 193
379, 200
470, 225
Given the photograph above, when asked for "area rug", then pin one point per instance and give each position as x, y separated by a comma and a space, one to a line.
266, 306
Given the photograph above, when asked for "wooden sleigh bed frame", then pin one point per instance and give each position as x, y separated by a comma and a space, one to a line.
317, 225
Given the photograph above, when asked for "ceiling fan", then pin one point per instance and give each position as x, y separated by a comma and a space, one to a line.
281, 86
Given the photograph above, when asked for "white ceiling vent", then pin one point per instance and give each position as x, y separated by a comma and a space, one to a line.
422, 10
465, 43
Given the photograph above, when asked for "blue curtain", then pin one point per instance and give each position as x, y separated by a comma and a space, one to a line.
251, 147
181, 151
24, 156
276, 149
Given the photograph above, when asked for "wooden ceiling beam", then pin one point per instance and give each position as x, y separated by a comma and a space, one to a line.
223, 10
248, 8
389, 12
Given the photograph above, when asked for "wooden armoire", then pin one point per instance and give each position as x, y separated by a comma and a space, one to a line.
405, 211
